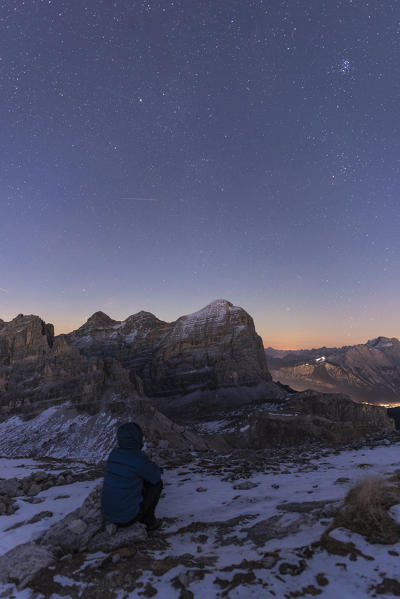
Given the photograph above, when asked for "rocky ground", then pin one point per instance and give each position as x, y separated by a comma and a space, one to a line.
245, 524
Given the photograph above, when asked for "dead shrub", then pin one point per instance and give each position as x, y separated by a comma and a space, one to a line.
365, 510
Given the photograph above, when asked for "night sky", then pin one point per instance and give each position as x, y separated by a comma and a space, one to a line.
159, 155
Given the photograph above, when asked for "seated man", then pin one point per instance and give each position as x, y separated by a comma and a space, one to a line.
132, 482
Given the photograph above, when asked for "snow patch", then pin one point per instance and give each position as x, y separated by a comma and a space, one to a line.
59, 432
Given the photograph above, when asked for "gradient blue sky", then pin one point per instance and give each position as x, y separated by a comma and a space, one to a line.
159, 155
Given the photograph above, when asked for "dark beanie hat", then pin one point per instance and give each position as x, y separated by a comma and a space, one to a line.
130, 436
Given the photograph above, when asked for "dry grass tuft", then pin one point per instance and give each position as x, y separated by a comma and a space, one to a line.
365, 510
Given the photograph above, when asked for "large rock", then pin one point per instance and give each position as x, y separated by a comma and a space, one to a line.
82, 530
22, 563
85, 530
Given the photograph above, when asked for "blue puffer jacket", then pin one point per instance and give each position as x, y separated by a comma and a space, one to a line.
126, 469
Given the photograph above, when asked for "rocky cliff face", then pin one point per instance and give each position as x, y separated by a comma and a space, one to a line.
105, 369
38, 370
214, 348
24, 337
368, 372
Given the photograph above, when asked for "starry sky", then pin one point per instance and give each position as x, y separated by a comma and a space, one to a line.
158, 155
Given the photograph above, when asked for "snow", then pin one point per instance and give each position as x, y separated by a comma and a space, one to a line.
53, 501
316, 482
131, 337
395, 513
83, 341
211, 316
18, 468
59, 432
208, 516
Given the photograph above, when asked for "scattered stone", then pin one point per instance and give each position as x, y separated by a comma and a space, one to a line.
149, 590
246, 485
324, 509
33, 490
16, 525
274, 528
305, 591
388, 586
40, 516
321, 579
77, 526
40, 476
269, 561
111, 528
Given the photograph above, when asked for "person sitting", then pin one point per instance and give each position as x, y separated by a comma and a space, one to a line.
132, 482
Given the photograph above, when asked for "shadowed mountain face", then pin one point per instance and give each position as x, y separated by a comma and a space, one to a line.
213, 349
368, 372
38, 370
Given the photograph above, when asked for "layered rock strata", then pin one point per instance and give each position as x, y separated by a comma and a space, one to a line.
214, 348
38, 370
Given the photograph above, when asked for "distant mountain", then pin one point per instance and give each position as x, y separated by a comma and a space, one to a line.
212, 353
368, 372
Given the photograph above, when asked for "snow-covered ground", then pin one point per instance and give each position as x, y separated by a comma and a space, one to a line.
233, 528
57, 502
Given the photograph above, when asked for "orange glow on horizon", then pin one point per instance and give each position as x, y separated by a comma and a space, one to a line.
281, 336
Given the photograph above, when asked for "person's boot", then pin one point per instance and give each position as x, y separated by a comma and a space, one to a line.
153, 524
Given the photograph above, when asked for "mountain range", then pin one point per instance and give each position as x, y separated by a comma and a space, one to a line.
199, 382
368, 372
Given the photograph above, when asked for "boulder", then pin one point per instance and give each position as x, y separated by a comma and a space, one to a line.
21, 564
84, 529
9, 487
